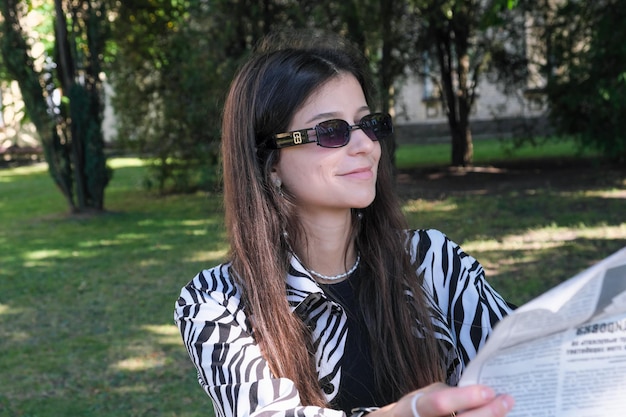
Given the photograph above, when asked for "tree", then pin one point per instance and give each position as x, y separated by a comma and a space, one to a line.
70, 130
461, 38
587, 74
378, 28
158, 91
174, 61
382, 29
173, 64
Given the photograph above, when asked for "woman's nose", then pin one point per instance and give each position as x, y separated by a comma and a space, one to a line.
360, 142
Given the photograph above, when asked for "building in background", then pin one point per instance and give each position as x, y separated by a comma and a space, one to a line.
420, 115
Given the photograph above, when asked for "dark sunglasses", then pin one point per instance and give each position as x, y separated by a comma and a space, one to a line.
336, 133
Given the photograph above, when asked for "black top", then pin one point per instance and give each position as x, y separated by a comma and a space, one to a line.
357, 387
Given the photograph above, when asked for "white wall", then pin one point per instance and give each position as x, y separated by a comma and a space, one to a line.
410, 108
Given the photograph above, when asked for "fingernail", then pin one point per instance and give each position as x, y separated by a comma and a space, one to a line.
507, 402
488, 393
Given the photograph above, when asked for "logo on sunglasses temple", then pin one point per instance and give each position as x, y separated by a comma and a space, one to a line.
297, 138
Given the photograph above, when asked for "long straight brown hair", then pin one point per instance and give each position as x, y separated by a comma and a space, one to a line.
265, 94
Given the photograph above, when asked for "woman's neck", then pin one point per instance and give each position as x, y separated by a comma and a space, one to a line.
328, 248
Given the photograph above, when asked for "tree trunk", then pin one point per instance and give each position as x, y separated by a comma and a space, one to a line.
71, 137
21, 67
449, 96
385, 73
458, 101
85, 108
65, 71
462, 147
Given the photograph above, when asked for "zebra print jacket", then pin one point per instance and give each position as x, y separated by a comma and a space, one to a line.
233, 372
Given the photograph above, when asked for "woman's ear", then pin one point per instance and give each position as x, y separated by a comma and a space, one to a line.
275, 177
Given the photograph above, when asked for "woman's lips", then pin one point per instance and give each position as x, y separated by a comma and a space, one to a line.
359, 173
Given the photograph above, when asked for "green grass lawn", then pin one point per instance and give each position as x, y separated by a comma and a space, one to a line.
86, 302
486, 151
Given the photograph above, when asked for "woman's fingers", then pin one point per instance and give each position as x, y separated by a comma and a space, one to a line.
498, 407
471, 401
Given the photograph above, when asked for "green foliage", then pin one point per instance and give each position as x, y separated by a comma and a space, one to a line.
70, 131
20, 66
173, 66
384, 31
174, 62
587, 85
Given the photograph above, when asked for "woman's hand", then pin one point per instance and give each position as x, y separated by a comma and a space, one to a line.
440, 400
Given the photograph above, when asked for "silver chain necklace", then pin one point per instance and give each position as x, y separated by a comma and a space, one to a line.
340, 276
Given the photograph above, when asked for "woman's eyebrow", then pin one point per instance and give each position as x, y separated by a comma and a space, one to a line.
333, 115
324, 116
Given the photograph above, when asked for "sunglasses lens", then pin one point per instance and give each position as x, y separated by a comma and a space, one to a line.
333, 133
377, 126
336, 133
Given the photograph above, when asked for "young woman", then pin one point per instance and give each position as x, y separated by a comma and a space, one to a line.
328, 305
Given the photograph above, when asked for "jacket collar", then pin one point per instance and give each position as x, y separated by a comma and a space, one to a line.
300, 286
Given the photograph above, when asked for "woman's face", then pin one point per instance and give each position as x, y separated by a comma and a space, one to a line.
331, 179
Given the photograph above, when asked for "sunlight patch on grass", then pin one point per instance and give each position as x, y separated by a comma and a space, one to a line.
165, 334
607, 193
160, 247
198, 223
12, 336
24, 170
130, 389
15, 337
419, 205
146, 222
99, 243
125, 162
562, 234
8, 310
38, 255
47, 257
141, 363
196, 232
133, 236
547, 238
201, 222
209, 257
145, 263
37, 264
510, 244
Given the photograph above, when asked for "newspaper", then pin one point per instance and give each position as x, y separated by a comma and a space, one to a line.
563, 353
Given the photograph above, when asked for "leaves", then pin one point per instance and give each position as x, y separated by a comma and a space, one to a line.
587, 85
70, 131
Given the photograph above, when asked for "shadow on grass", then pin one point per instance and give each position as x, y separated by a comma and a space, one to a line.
531, 228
